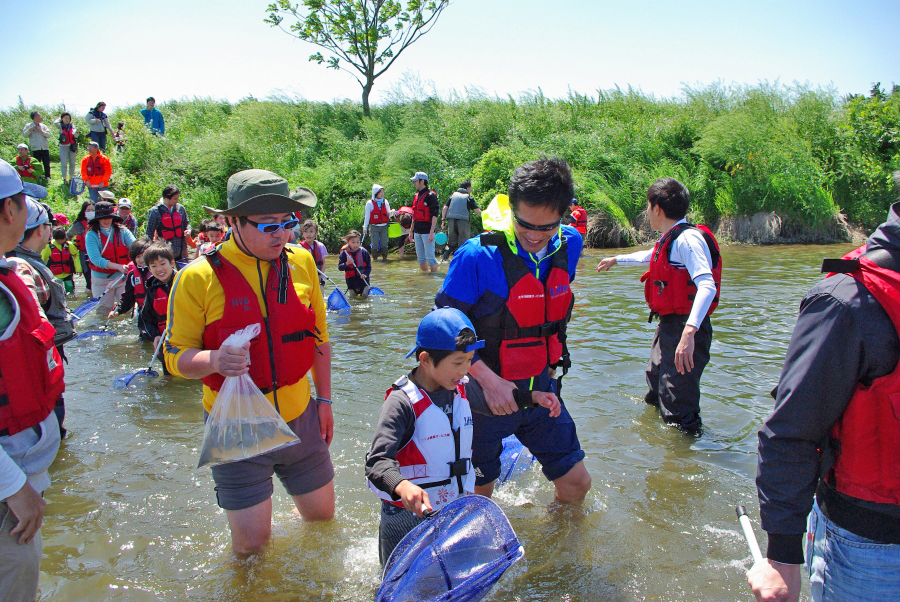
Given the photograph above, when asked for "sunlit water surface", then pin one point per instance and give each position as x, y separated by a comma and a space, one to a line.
131, 518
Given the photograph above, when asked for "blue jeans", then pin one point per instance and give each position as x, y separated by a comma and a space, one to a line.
94, 193
424, 249
843, 566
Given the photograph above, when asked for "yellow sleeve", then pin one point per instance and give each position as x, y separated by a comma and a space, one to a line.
186, 313
45, 254
76, 256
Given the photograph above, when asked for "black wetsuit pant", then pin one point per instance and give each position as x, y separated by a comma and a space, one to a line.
677, 395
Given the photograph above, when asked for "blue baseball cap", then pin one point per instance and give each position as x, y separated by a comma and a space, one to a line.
439, 329
11, 184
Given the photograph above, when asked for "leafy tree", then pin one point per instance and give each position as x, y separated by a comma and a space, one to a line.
361, 37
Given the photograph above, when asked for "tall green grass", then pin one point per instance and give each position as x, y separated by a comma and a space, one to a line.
804, 153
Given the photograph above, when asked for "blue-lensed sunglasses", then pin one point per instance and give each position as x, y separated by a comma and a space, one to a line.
270, 228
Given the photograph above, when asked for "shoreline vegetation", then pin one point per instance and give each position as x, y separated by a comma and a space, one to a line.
765, 164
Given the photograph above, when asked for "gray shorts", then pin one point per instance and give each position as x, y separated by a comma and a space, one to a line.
302, 468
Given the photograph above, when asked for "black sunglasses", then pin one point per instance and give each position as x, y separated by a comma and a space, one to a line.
542, 228
270, 228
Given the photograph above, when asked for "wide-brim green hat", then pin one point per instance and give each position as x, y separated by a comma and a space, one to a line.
258, 192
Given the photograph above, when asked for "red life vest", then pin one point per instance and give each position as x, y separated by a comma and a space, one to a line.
60, 260
161, 306
421, 210
31, 371
670, 290
94, 165
66, 134
138, 279
292, 326
170, 223
79, 239
867, 436
378, 215
29, 168
316, 250
431, 459
359, 259
112, 249
528, 333
580, 216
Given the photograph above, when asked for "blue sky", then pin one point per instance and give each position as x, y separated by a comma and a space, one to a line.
123, 51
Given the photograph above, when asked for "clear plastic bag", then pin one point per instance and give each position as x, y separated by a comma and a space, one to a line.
242, 423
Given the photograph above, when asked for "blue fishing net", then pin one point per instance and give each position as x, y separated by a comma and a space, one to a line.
515, 459
456, 555
337, 301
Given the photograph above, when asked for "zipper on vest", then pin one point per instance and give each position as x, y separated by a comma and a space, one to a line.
269, 340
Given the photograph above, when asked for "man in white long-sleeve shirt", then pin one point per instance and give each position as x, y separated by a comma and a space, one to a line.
681, 287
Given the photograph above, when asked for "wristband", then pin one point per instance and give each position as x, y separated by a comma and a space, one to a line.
323, 400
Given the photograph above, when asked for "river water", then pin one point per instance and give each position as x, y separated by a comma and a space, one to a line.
131, 518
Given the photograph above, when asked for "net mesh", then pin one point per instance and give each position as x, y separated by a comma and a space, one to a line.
514, 459
135, 379
338, 302
89, 334
456, 555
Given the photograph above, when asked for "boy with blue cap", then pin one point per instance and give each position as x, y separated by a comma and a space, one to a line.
420, 458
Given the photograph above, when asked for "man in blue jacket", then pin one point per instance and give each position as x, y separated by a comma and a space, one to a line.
153, 119
513, 284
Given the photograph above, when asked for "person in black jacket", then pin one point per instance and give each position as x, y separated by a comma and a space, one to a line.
842, 351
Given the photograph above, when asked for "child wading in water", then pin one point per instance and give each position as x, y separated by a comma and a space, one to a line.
356, 263
61, 256
135, 280
308, 232
427, 419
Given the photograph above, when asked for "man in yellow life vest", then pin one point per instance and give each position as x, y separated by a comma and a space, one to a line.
253, 278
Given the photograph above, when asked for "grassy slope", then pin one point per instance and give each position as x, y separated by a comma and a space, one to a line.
801, 152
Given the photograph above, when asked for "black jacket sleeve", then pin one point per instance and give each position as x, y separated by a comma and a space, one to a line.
395, 428
842, 337
126, 301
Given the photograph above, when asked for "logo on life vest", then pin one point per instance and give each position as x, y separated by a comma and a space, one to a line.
241, 301
467, 421
556, 291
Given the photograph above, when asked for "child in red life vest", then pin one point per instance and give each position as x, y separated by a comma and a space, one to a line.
420, 458
61, 256
356, 263
135, 281
24, 165
213, 235
152, 320
308, 233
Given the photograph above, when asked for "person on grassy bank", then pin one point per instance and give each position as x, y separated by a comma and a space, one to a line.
514, 284
455, 217
681, 287
168, 221
254, 277
107, 243
425, 216
153, 119
28, 171
99, 125
377, 215
829, 453
68, 146
38, 136
128, 219
31, 380
95, 170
